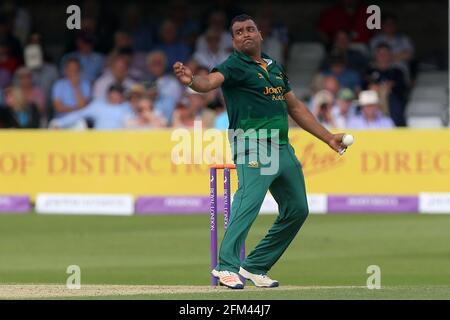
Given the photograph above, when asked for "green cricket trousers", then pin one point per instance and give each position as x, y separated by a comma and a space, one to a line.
287, 186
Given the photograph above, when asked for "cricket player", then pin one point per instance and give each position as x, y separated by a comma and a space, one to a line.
258, 96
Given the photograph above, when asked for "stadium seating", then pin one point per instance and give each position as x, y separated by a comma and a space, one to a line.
428, 103
304, 61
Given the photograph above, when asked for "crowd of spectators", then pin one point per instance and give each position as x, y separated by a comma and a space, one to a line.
366, 77
362, 83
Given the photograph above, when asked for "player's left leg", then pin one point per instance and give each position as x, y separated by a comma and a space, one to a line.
244, 210
288, 189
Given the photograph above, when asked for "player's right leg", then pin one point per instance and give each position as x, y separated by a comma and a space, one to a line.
288, 189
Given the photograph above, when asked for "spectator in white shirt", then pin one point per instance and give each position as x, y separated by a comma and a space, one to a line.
156, 72
323, 104
371, 116
217, 21
116, 74
214, 54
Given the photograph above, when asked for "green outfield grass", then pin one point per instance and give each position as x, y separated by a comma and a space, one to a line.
413, 252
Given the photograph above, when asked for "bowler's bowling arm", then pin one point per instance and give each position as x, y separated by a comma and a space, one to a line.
208, 82
305, 119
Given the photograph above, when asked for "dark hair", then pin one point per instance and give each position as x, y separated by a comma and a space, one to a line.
336, 57
240, 18
347, 32
126, 51
383, 45
116, 87
72, 59
86, 38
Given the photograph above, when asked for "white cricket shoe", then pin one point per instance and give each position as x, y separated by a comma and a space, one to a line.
228, 279
259, 280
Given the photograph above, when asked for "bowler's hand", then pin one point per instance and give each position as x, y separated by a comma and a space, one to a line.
335, 143
183, 73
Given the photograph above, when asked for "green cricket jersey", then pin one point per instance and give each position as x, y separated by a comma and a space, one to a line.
254, 94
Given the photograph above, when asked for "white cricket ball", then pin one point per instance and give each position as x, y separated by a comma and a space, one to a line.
347, 139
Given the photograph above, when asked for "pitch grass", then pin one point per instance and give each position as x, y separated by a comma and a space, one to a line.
413, 252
